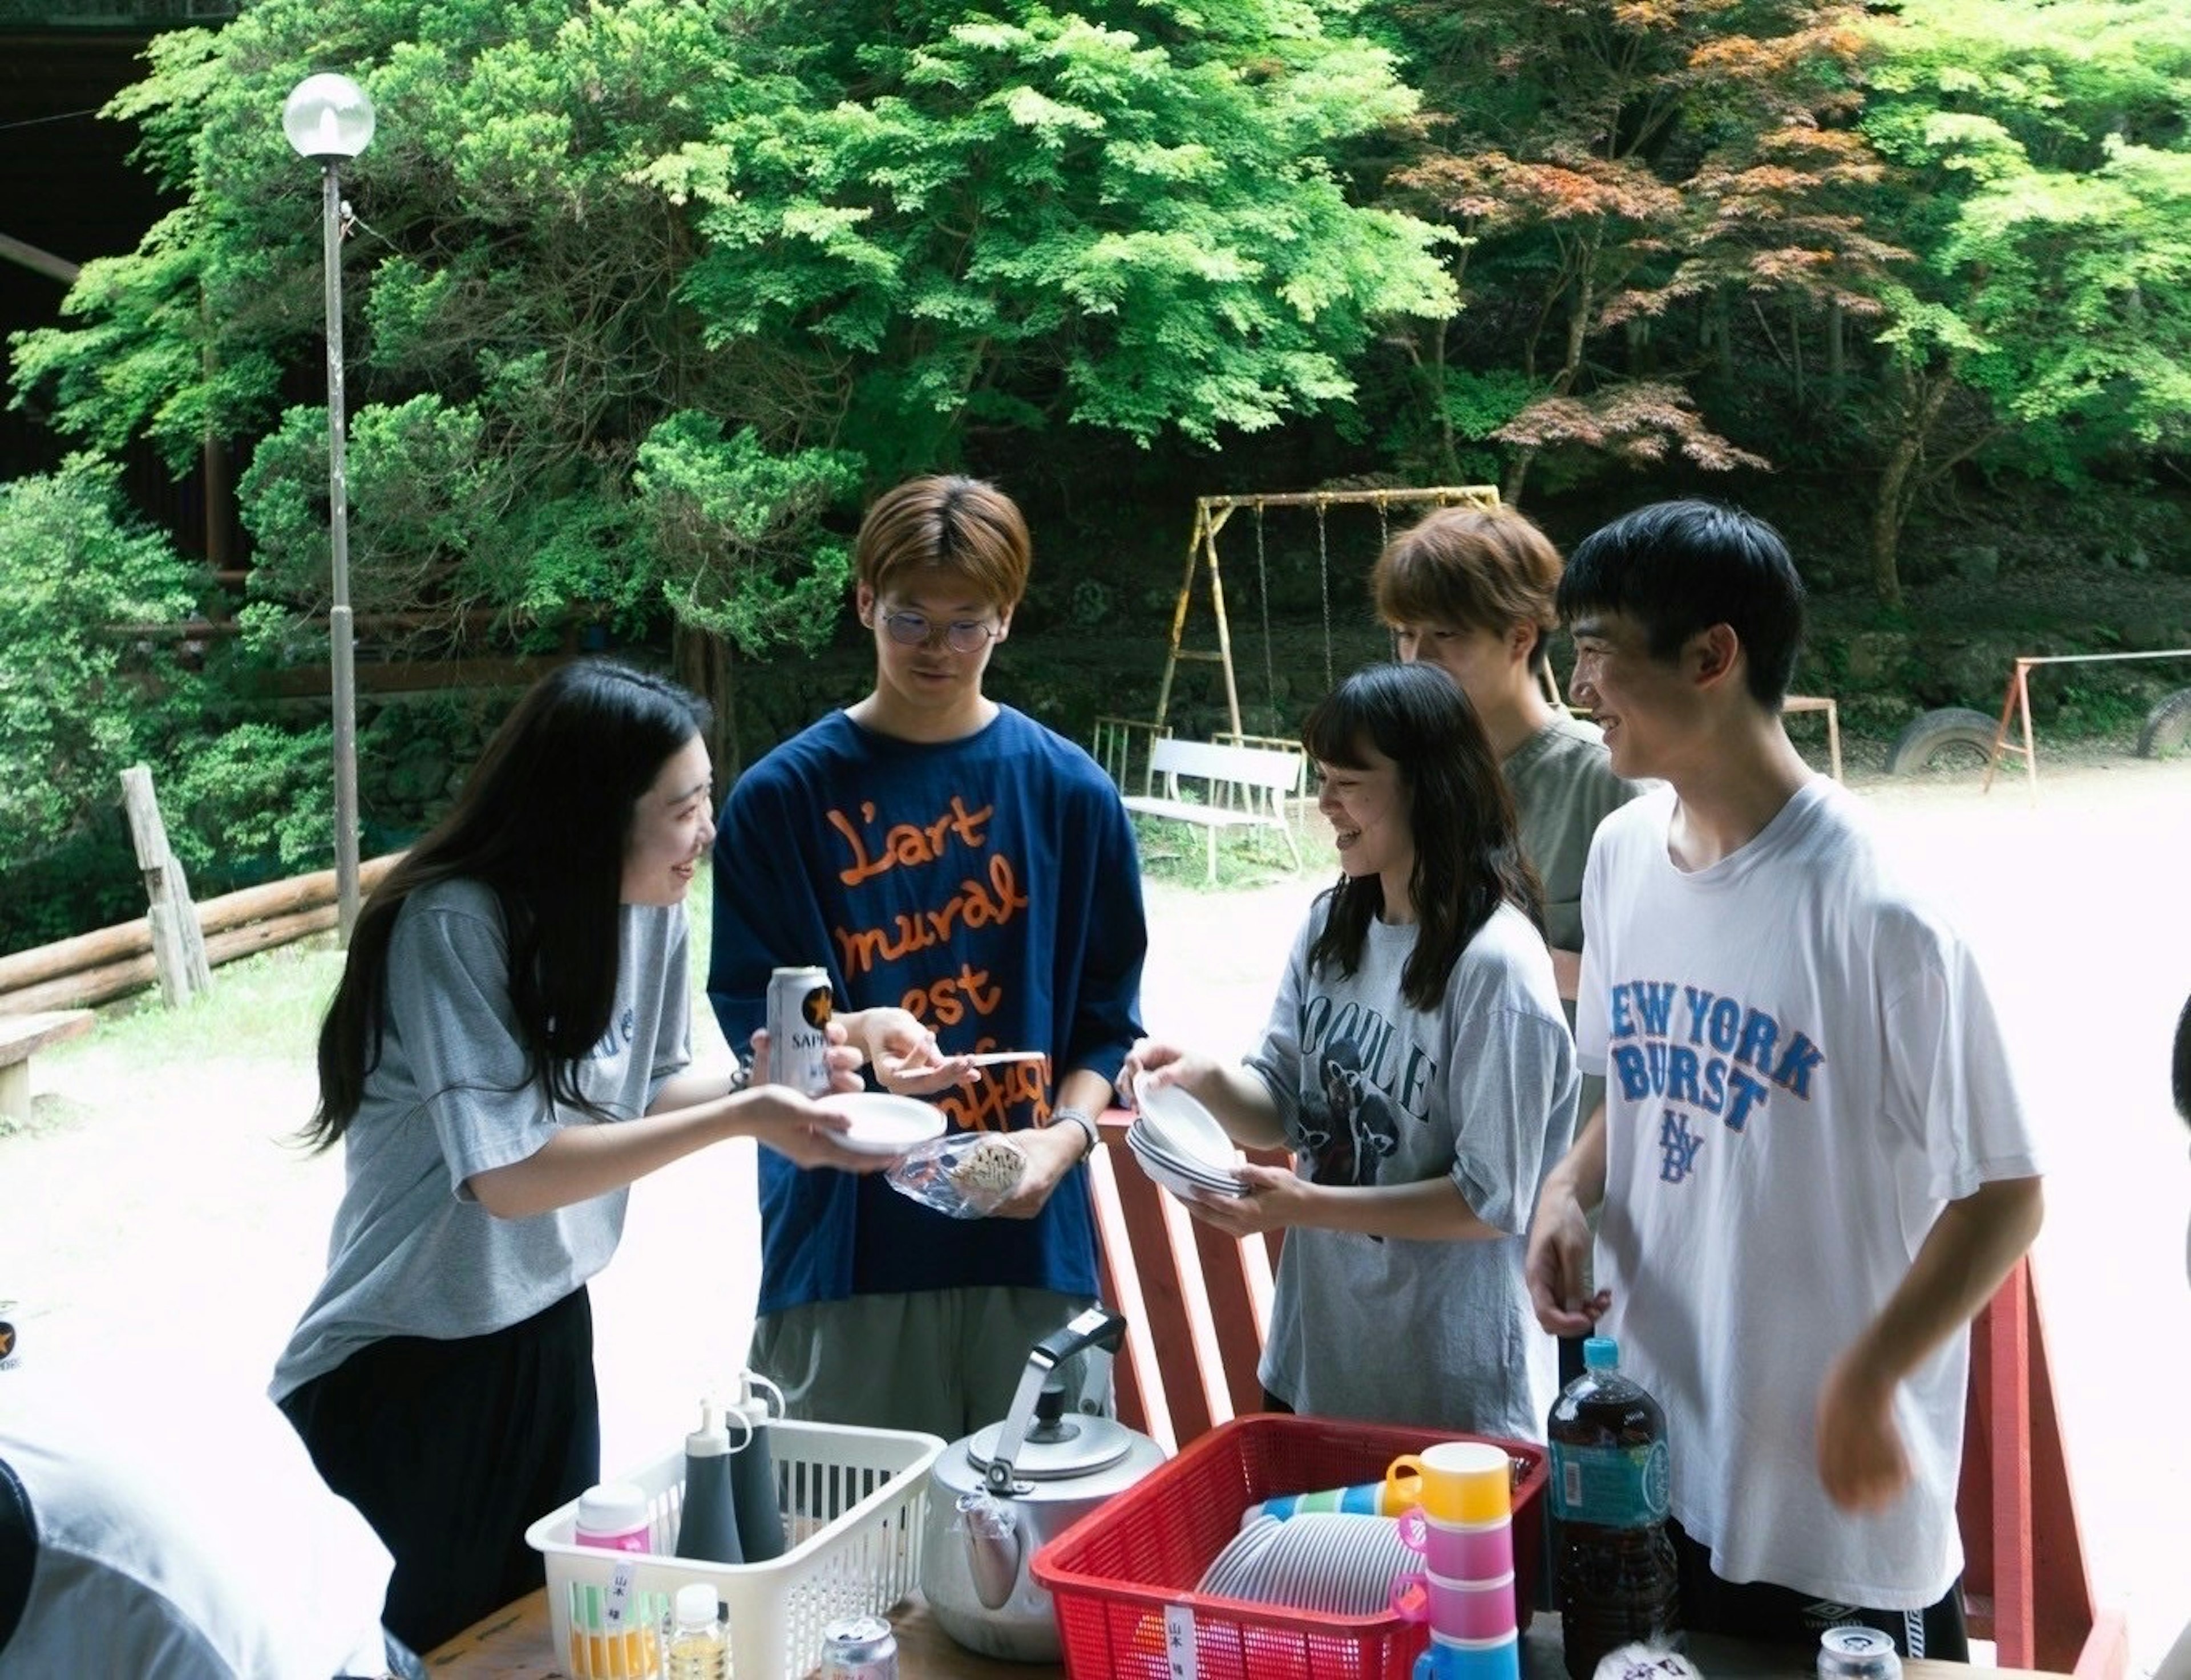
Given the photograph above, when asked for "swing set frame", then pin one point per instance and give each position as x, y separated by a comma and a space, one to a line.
1211, 513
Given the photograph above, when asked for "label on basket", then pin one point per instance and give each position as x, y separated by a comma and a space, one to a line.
620, 1599
1179, 1640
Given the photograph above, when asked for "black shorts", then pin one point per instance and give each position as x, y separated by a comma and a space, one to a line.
1781, 1616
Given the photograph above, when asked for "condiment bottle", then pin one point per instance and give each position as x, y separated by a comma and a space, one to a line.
753, 1480
707, 1529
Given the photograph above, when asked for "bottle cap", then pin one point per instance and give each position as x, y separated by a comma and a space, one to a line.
613, 1507
754, 1407
711, 1440
1600, 1353
696, 1605
749, 1408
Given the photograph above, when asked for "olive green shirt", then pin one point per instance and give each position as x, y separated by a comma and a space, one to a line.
1564, 786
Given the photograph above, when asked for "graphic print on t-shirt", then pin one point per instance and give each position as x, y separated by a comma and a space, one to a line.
960, 897
617, 1040
1363, 1078
1705, 1056
1351, 1126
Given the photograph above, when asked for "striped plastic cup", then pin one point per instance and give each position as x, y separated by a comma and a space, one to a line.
1365, 1499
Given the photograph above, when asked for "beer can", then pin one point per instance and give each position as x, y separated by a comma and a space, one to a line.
859, 1648
1857, 1653
797, 1043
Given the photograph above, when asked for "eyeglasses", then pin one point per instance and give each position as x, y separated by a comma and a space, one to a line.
961, 635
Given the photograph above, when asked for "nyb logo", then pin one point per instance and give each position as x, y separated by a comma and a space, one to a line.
1677, 1147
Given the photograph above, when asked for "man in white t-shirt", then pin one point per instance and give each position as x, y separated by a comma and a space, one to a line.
1812, 1165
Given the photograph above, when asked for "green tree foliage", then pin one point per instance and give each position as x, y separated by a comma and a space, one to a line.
1120, 217
252, 801
2046, 183
643, 290
75, 707
90, 684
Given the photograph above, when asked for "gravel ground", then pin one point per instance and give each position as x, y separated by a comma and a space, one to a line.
160, 1236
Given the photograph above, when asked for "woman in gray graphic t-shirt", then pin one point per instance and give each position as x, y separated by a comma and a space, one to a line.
1418, 1066
506, 1053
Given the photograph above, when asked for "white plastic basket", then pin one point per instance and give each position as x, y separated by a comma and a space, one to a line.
853, 1500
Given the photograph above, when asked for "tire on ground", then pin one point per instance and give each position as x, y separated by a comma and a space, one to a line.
1936, 732
2167, 727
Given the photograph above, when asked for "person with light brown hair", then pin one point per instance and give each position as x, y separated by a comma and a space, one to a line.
938, 852
1470, 590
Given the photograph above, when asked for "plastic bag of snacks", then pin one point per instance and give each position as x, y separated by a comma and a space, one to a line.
1646, 1662
966, 1174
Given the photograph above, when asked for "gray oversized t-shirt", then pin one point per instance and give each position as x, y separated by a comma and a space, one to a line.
1372, 1091
412, 1252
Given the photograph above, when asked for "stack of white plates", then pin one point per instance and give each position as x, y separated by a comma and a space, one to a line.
1179, 1144
1324, 1561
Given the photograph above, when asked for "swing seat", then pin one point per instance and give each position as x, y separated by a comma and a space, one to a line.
1243, 787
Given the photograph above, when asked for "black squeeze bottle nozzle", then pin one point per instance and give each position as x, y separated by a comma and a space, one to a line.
753, 1478
708, 1525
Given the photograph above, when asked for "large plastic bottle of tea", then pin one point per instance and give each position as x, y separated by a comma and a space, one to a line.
1613, 1561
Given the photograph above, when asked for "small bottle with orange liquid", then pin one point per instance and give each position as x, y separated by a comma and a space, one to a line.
605, 1644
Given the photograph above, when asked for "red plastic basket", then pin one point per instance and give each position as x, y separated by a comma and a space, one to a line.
1122, 1577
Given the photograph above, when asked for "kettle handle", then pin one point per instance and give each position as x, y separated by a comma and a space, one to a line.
1097, 1327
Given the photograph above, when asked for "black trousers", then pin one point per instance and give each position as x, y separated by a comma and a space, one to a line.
450, 1449
1778, 1614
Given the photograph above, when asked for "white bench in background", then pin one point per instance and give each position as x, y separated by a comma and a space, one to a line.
1243, 787
21, 1036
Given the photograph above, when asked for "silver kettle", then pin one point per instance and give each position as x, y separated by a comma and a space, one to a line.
999, 1494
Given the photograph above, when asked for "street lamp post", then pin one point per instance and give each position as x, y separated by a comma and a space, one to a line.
328, 118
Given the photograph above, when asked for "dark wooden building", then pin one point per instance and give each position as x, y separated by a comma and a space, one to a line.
68, 193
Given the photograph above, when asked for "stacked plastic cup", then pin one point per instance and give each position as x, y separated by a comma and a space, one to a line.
1365, 1499
1464, 1527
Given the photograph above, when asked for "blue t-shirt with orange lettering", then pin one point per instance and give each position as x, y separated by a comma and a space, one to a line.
989, 885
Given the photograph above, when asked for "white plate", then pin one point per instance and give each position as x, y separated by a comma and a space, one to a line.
1179, 1184
1147, 1149
884, 1124
1187, 1130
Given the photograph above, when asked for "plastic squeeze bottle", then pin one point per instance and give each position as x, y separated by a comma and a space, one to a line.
752, 1480
707, 1527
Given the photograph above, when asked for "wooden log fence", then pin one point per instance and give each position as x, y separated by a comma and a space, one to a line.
179, 955
111, 962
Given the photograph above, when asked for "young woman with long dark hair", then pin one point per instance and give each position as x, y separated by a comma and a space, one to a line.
1418, 1066
507, 1051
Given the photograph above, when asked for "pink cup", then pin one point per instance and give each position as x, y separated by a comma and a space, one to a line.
1463, 1610
1461, 1551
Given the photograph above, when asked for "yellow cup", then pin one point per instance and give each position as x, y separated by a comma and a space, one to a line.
1455, 1481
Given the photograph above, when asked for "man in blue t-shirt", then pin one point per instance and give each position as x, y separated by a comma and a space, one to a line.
939, 852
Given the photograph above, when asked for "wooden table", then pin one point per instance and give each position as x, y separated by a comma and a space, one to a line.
515, 1645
